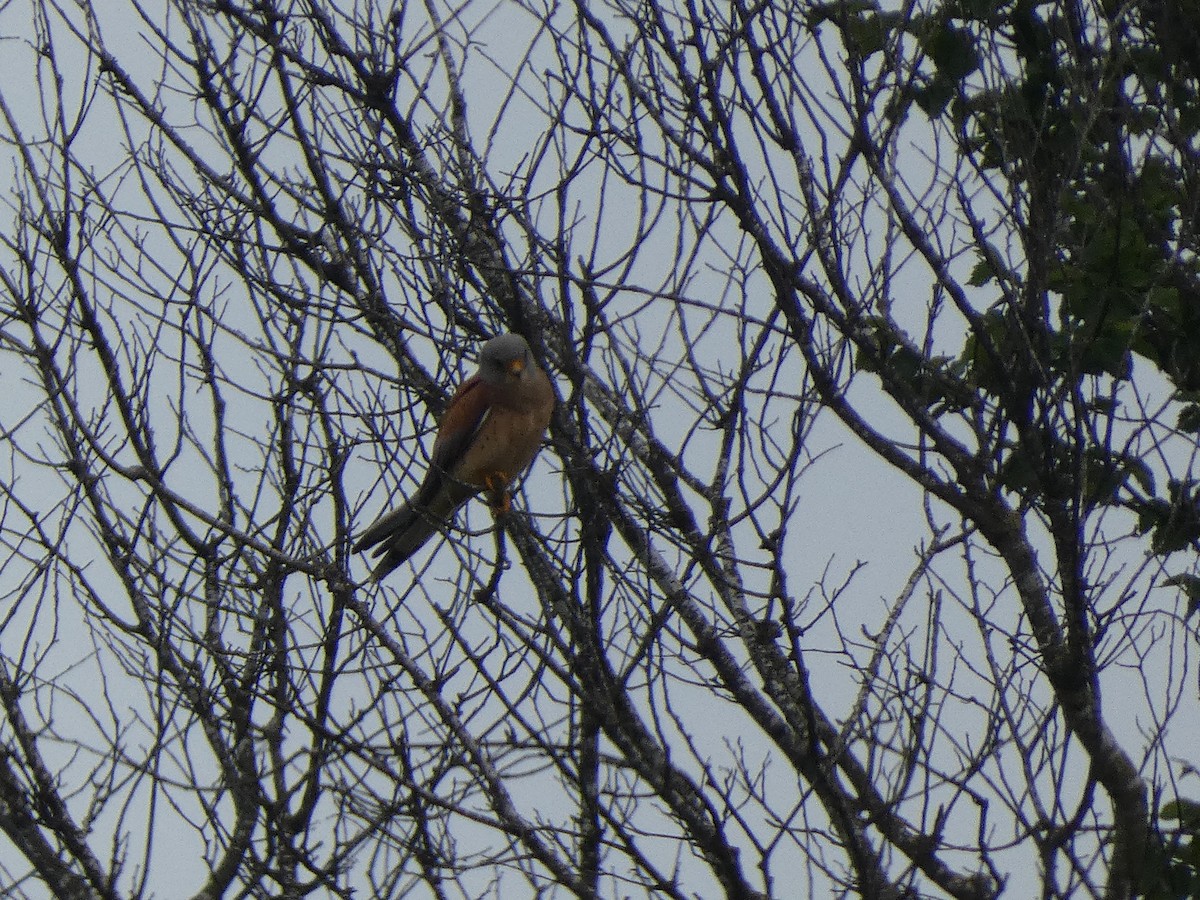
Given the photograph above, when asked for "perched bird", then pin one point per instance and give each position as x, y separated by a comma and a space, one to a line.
488, 435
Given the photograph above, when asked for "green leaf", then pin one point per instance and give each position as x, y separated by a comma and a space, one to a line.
1186, 811
1190, 585
975, 9
981, 274
1019, 473
953, 52
1174, 525
1151, 513
935, 95
1141, 472
1189, 418
867, 34
1109, 351
838, 12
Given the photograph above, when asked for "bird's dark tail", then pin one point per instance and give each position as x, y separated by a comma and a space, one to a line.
409, 530
401, 532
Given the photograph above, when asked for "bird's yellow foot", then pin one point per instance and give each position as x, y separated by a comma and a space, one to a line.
501, 499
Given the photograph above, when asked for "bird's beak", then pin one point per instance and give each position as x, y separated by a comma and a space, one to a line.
517, 366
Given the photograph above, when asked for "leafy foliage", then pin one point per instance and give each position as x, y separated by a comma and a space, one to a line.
1173, 870
1099, 149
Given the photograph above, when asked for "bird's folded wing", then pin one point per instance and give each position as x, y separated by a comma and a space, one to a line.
465, 416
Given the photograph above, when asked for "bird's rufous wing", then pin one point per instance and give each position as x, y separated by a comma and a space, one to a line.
464, 418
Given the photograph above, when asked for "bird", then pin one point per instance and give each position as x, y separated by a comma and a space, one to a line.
489, 434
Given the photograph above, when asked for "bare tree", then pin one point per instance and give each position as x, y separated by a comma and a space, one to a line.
860, 559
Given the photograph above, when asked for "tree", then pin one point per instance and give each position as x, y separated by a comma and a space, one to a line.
861, 559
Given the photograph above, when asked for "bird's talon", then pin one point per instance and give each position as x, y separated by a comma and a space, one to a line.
500, 499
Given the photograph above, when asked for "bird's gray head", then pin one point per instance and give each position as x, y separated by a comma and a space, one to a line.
504, 357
